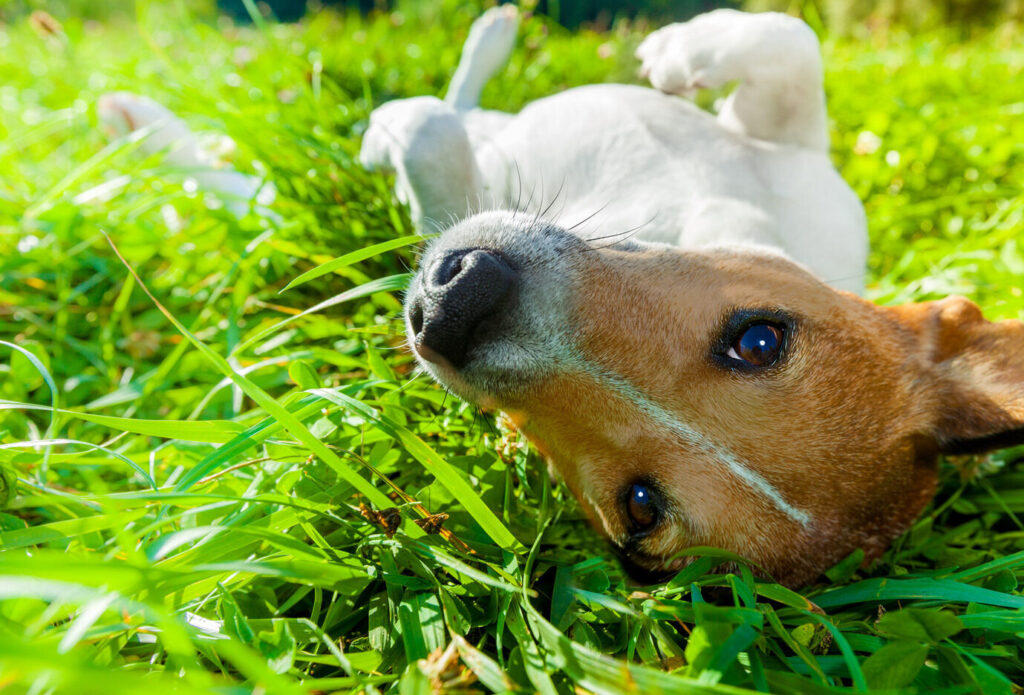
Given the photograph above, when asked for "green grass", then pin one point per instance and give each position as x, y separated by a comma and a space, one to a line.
180, 506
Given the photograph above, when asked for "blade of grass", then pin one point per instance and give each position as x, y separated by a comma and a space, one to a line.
273, 408
208, 431
353, 257
55, 442
447, 476
852, 665
884, 589
385, 284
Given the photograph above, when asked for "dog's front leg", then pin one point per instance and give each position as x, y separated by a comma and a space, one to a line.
775, 59
488, 46
424, 142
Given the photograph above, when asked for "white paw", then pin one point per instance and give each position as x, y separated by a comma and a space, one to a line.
491, 38
393, 127
683, 58
124, 113
121, 113
718, 47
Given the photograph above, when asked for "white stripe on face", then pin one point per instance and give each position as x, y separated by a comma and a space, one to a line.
668, 421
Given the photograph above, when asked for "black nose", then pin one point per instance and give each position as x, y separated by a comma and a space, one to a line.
462, 294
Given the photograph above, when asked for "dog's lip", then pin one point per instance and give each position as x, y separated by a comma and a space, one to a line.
438, 361
642, 572
646, 568
431, 355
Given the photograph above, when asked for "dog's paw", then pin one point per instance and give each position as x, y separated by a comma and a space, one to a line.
491, 38
683, 58
393, 130
123, 113
718, 47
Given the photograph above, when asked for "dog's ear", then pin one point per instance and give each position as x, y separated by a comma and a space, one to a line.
976, 368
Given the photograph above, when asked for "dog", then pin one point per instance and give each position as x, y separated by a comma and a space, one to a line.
713, 379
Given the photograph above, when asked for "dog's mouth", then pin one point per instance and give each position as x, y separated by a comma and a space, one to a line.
644, 569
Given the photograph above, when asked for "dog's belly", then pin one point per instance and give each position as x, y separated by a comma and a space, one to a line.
614, 159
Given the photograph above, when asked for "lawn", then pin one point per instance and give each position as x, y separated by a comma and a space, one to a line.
184, 456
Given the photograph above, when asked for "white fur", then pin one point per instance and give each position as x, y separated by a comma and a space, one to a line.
609, 160
491, 39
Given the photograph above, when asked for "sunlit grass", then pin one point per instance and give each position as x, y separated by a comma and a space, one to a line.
181, 493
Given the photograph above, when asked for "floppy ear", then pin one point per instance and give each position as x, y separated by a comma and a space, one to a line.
976, 368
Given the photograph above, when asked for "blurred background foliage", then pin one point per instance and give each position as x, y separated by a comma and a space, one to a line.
839, 16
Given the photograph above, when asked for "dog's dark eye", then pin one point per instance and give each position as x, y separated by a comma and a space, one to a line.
643, 511
758, 345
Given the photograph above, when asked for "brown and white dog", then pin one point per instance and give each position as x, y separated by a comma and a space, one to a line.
720, 395
714, 397
713, 393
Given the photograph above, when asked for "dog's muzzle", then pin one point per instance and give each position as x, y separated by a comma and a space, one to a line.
460, 299
488, 313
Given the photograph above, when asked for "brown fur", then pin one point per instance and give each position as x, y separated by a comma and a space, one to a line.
847, 428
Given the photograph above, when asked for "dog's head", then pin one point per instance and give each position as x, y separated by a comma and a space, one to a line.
716, 397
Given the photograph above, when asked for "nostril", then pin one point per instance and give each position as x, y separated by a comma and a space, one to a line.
447, 268
416, 318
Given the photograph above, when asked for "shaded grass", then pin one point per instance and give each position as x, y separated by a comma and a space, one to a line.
249, 566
